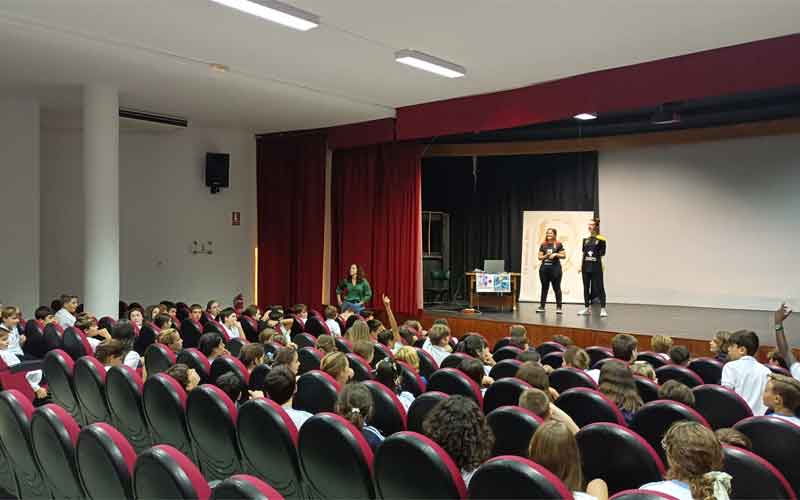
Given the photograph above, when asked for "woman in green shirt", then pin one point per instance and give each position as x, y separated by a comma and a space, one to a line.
354, 291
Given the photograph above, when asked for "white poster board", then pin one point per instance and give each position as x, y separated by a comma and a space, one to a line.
493, 283
571, 227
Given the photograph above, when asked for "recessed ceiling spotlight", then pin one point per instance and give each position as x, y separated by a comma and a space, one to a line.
275, 11
220, 68
429, 63
586, 116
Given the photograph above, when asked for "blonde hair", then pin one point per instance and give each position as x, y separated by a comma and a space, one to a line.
577, 357
554, 447
692, 452
644, 369
661, 344
536, 401
334, 364
326, 344
788, 389
359, 331
168, 336
408, 354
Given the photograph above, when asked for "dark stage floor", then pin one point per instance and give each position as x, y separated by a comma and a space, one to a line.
685, 322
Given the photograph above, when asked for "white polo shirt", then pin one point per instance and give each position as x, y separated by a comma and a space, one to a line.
438, 353
333, 326
65, 318
748, 378
795, 369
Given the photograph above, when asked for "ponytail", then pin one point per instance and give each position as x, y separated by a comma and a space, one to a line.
355, 404
714, 485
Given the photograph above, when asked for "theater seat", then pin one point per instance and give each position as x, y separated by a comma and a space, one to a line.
58, 368
8, 483
454, 360
642, 495
653, 420
164, 472
316, 326
601, 362
164, 403
513, 428
227, 363
235, 345
105, 462
211, 417
720, 406
90, 389
124, 394
304, 340
411, 455
451, 381
343, 345
516, 478
268, 440
328, 435
250, 328
381, 352
501, 343
647, 389
34, 339
427, 365
412, 382
244, 487
710, 370
258, 376
587, 406
753, 477
504, 392
53, 336
554, 359
683, 375
158, 358
15, 433
316, 392
310, 359
507, 352
547, 347
653, 358
419, 409
54, 434
632, 463
569, 378
777, 441
596, 353
148, 335
505, 368
361, 369
190, 333
193, 358
389, 414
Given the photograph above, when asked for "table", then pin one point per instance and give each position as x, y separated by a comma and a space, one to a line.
501, 300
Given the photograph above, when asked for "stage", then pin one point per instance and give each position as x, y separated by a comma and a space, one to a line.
690, 326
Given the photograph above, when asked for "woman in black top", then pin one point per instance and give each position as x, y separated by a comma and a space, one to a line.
550, 254
594, 249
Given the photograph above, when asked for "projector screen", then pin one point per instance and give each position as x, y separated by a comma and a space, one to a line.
707, 225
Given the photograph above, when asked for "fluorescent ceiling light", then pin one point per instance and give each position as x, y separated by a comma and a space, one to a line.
585, 116
277, 12
430, 63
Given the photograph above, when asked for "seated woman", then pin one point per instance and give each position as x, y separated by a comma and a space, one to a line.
359, 331
252, 356
388, 373
212, 345
554, 447
337, 366
288, 357
694, 457
617, 382
458, 425
172, 339
187, 377
355, 404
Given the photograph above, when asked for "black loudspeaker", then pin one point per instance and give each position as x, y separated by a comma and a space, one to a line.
217, 165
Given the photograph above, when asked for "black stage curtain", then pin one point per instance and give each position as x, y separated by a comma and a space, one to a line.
485, 200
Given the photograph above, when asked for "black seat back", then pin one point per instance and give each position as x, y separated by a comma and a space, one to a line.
683, 375
516, 478
587, 406
720, 406
420, 408
158, 358
310, 359
710, 370
507, 352
504, 392
753, 477
15, 433
54, 434
452, 381
124, 396
654, 419
777, 441
569, 378
90, 389
389, 415
505, 368
316, 392
513, 428
105, 462
211, 417
653, 358
164, 403
58, 368
647, 389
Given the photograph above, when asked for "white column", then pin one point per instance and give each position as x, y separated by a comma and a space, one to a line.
101, 197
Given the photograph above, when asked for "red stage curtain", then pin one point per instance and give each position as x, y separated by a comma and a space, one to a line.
291, 212
377, 221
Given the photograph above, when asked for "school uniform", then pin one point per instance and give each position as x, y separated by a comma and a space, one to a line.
298, 417
594, 248
748, 378
65, 318
438, 353
673, 488
13, 340
373, 436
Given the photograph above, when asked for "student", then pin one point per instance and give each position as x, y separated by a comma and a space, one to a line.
438, 343
563, 340
679, 355
187, 377
301, 313
326, 344
66, 313
388, 373
774, 358
385, 338
719, 346
269, 335
661, 344
617, 382
359, 331
623, 347
337, 366
408, 355
331, 313
281, 386
252, 356
172, 339
575, 357
519, 337
212, 345
355, 404
10, 358
110, 353
473, 368
554, 447
9, 323
136, 317
230, 323
782, 396
538, 402
288, 357
211, 312
34, 346
781, 314
644, 369
536, 376
676, 391
475, 346
732, 437
125, 333
694, 456
365, 349
88, 325
743, 373
531, 355
459, 426
231, 384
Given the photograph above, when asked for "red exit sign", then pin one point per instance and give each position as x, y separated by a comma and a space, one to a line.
236, 219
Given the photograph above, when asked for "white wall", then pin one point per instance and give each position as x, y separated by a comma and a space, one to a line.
711, 224
164, 206
19, 203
